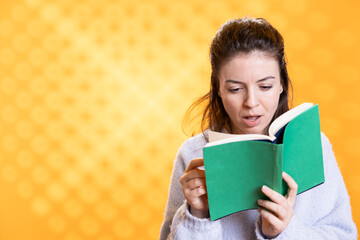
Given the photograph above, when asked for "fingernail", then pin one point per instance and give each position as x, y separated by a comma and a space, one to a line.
260, 202
265, 188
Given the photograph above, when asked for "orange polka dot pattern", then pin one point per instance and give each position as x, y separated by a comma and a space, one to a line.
92, 95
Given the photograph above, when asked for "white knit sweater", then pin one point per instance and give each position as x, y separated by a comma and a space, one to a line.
320, 213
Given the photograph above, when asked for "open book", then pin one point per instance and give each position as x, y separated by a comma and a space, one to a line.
274, 129
236, 166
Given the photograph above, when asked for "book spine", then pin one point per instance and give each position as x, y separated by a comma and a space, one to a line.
278, 158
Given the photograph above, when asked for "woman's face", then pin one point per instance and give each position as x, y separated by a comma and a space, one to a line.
250, 89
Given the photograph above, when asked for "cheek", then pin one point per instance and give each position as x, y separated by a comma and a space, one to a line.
226, 104
229, 107
272, 103
229, 103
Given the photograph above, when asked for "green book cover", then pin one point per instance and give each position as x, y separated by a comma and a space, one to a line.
236, 170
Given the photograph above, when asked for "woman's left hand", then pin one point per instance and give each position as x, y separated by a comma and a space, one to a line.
276, 214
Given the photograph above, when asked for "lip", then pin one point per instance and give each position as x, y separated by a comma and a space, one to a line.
252, 120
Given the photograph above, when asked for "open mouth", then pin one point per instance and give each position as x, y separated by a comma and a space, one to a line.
252, 118
252, 121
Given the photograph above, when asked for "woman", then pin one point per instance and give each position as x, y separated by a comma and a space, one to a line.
250, 88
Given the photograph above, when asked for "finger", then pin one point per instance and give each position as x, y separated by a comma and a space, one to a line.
195, 193
196, 162
276, 209
274, 196
293, 187
275, 222
199, 191
195, 183
195, 173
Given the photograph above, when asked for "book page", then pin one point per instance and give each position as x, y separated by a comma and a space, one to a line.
216, 138
286, 117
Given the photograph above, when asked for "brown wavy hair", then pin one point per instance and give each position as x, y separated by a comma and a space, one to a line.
239, 36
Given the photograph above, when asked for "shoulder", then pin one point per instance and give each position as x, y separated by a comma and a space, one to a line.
195, 142
192, 147
325, 140
330, 163
326, 145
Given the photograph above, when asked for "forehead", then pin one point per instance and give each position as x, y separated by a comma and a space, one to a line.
255, 63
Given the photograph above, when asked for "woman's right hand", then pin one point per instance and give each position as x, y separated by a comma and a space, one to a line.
194, 188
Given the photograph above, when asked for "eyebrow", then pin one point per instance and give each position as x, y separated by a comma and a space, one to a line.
260, 80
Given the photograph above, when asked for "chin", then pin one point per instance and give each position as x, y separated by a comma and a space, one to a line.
255, 131
247, 130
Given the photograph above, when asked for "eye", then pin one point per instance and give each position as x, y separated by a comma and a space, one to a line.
266, 87
234, 90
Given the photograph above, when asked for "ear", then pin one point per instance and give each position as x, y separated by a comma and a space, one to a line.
281, 89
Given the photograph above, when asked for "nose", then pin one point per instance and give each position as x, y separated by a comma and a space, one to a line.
251, 99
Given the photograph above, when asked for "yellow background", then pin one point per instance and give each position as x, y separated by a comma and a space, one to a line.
92, 95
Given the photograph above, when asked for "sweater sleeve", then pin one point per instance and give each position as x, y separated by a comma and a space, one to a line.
178, 222
323, 212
